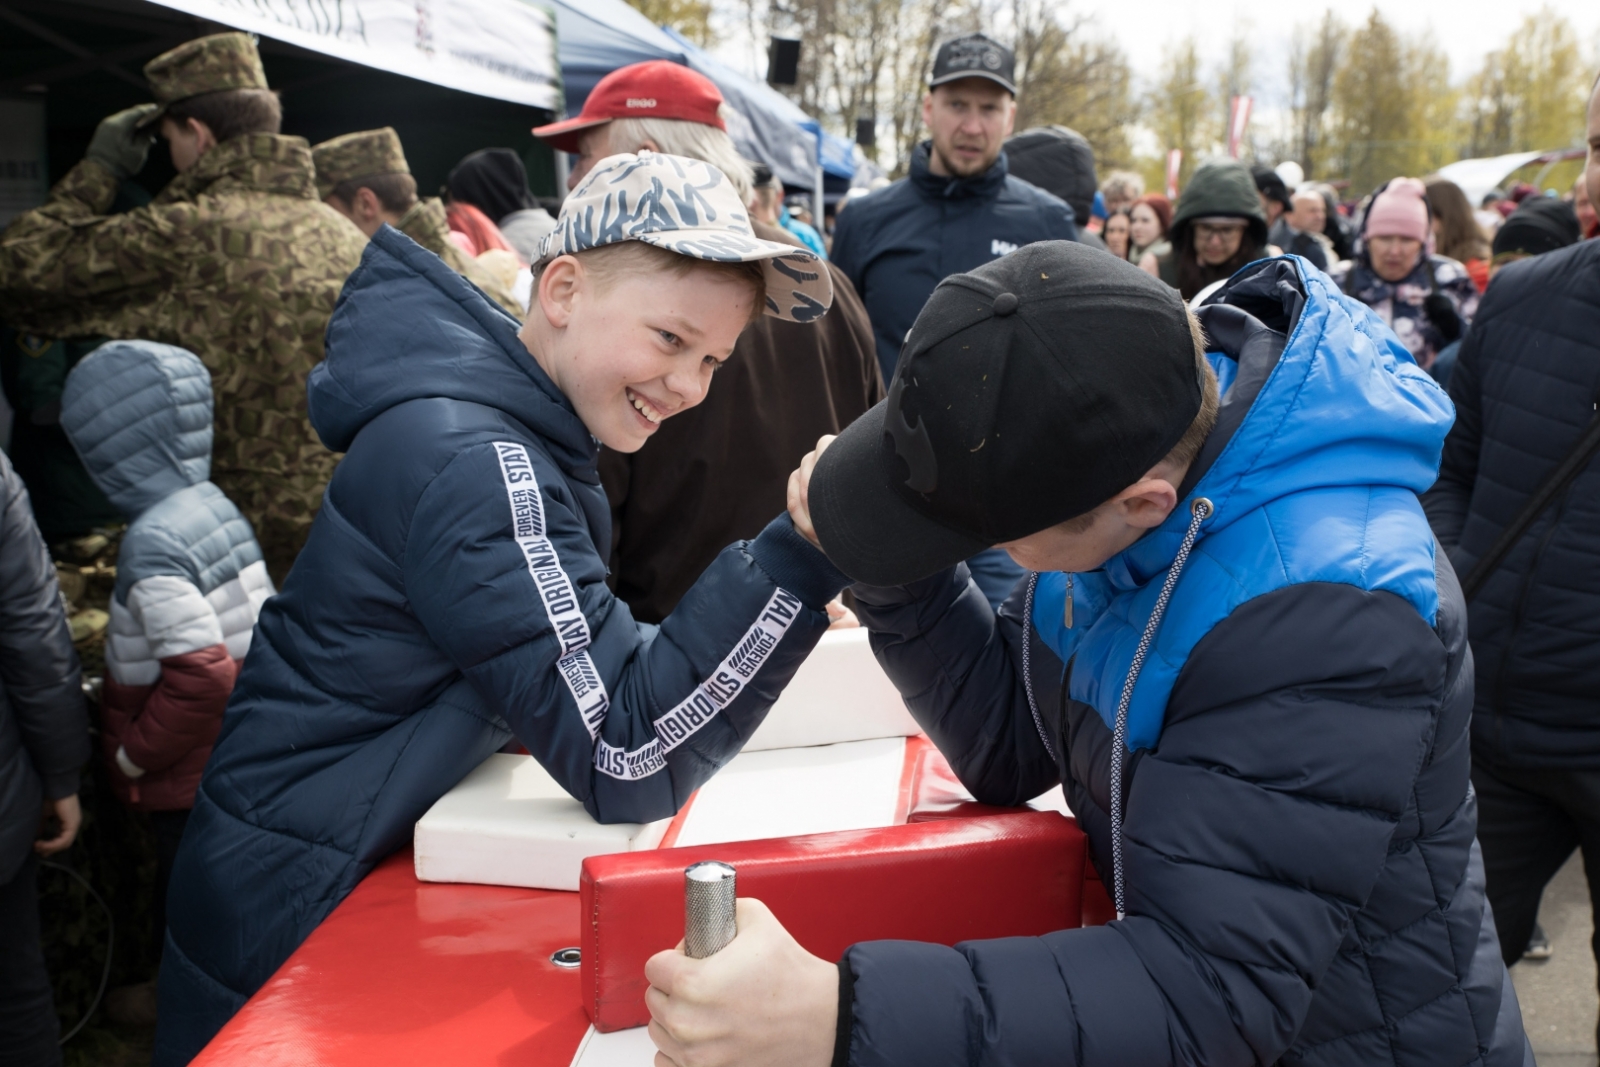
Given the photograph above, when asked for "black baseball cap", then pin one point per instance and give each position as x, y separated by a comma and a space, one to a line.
975, 56
1029, 391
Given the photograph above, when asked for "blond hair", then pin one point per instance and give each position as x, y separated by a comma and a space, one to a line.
678, 137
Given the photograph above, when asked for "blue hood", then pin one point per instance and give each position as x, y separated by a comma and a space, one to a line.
1345, 405
139, 415
407, 327
1327, 434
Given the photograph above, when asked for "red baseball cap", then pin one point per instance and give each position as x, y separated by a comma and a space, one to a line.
657, 89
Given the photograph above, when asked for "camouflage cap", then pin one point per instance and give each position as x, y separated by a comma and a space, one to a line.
689, 207
357, 155
204, 65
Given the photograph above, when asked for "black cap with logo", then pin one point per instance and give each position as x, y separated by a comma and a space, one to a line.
974, 56
1029, 391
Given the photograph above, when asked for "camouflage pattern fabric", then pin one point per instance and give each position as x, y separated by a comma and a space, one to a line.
237, 261
689, 207
362, 154
425, 224
204, 65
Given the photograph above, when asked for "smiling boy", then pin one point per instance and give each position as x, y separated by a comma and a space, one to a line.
452, 594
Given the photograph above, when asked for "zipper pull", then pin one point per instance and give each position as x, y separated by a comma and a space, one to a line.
1066, 612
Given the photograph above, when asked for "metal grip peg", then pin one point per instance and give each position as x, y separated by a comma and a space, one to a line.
709, 921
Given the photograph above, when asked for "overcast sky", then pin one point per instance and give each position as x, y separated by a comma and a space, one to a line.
1465, 29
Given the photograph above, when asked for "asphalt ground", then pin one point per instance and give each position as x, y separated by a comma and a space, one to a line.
1559, 1000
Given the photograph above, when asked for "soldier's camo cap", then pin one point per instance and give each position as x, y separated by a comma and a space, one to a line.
204, 65
357, 155
689, 207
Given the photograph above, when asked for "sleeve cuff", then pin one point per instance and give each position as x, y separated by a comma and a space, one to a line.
847, 1015
126, 765
796, 564
61, 784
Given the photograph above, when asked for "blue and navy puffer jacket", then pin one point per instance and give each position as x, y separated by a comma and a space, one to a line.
1300, 879
450, 596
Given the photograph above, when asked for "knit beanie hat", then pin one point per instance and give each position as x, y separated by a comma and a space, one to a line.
1401, 210
1541, 224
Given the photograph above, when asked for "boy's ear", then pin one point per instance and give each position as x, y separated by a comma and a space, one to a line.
560, 283
1146, 503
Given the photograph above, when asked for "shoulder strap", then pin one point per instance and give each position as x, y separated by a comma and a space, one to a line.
1554, 484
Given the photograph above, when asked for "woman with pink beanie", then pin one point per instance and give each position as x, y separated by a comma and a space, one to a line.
1427, 299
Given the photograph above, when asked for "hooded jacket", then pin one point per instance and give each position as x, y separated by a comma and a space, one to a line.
1525, 388
1218, 188
451, 595
190, 579
44, 731
1301, 880
896, 244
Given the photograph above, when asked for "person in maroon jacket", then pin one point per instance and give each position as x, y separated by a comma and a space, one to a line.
190, 582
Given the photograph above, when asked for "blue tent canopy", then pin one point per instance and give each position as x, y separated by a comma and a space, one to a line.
595, 37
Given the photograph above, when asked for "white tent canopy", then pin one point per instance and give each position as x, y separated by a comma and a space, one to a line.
1477, 176
502, 49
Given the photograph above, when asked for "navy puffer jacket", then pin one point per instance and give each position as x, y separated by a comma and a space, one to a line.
451, 595
1525, 389
899, 243
1302, 883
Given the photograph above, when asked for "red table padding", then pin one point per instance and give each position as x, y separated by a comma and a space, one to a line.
412, 973
943, 881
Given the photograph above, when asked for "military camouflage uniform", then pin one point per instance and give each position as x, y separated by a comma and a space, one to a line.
237, 261
370, 153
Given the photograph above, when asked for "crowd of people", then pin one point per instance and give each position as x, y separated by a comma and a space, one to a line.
406, 479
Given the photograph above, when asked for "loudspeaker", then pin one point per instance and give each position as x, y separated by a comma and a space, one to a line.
783, 61
866, 132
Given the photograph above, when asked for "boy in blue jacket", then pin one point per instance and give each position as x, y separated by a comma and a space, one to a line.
452, 593
1239, 653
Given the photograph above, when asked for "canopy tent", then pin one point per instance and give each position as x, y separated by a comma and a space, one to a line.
502, 49
596, 37
451, 76
1477, 176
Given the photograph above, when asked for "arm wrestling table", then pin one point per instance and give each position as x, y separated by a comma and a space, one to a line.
408, 972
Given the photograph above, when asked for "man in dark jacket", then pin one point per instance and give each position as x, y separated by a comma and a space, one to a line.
44, 740
717, 473
959, 209
1525, 388
1243, 661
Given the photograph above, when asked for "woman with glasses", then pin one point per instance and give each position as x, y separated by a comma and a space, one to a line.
1218, 228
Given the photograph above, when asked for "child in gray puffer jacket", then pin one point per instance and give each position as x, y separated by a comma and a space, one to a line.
190, 577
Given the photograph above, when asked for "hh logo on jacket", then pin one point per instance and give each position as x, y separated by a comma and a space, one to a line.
998, 247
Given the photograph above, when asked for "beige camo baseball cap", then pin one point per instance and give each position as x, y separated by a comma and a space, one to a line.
689, 207
204, 65
357, 155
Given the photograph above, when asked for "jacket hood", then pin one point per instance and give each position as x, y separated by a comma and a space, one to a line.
1058, 160
1343, 404
1222, 187
407, 327
139, 415
989, 183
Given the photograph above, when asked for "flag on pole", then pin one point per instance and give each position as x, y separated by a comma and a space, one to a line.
1174, 165
1238, 122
